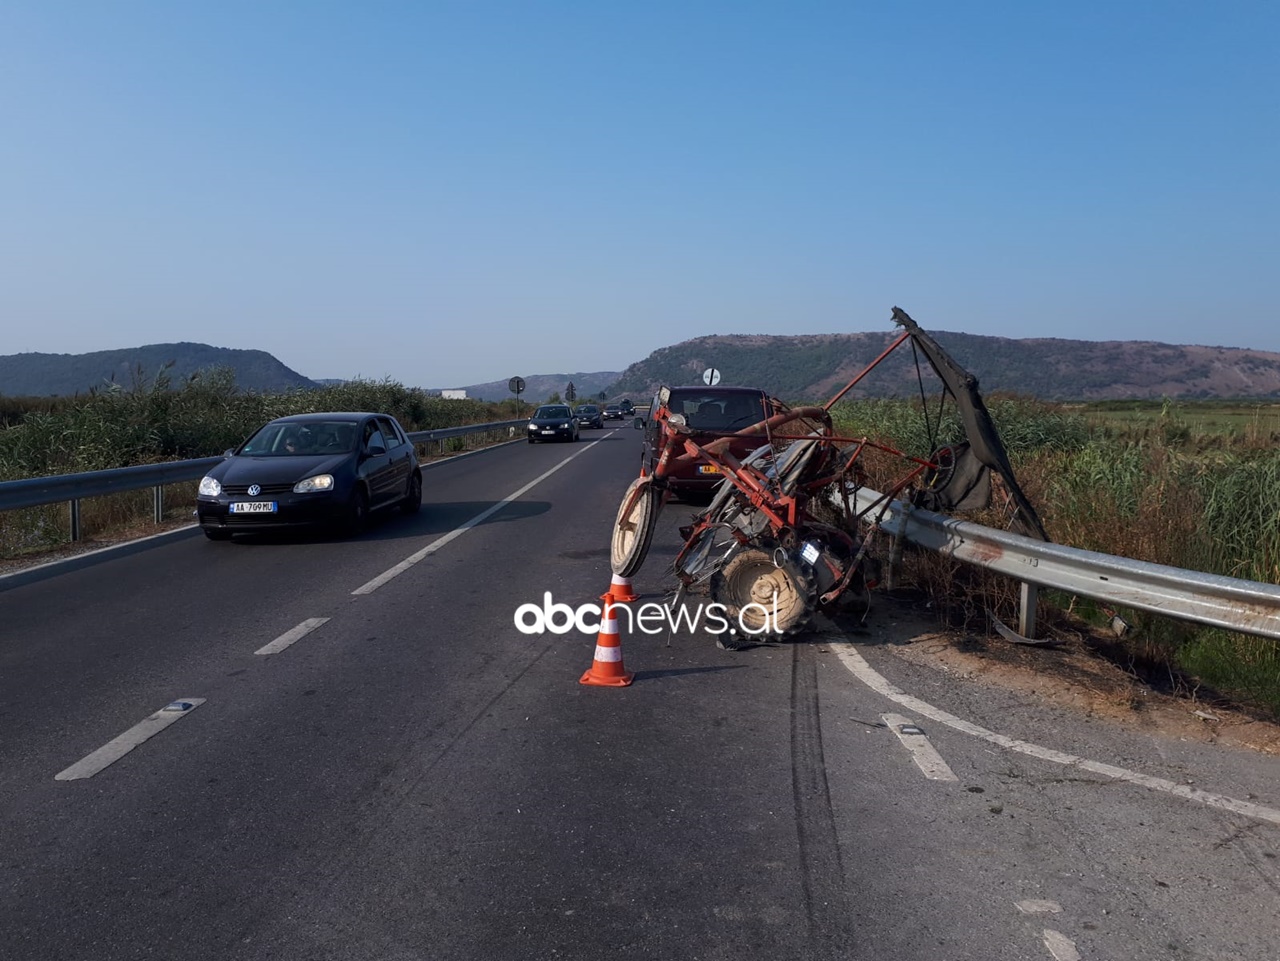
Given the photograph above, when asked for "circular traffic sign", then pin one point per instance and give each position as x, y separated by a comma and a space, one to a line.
515, 385
711, 376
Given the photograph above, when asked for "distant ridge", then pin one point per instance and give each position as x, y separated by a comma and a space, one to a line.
44, 375
813, 366
538, 387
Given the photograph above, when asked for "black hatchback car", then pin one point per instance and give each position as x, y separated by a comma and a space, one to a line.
588, 416
332, 468
553, 422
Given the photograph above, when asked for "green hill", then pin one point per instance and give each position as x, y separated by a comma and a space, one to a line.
814, 366
45, 375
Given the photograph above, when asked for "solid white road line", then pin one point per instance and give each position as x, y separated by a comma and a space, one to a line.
480, 518
117, 748
923, 753
1060, 946
292, 635
865, 673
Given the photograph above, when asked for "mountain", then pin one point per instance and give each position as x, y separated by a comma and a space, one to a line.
538, 387
43, 375
814, 366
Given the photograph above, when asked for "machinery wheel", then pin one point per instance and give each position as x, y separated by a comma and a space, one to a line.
633, 528
746, 585
412, 502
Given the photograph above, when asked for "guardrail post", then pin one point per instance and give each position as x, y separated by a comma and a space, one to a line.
1028, 596
157, 503
75, 519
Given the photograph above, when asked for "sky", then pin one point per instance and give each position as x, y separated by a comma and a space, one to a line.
446, 193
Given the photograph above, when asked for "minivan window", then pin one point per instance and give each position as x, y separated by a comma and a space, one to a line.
716, 410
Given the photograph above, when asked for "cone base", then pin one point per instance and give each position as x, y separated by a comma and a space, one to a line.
595, 680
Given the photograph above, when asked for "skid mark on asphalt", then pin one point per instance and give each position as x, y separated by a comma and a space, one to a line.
822, 873
864, 672
408, 562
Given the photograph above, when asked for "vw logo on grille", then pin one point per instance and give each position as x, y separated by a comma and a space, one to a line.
255, 490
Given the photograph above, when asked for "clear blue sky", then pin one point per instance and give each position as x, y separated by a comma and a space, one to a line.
448, 192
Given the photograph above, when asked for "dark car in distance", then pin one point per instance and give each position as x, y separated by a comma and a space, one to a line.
311, 469
614, 412
553, 422
710, 412
588, 415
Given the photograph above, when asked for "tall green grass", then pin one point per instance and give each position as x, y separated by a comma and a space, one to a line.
158, 421
1159, 490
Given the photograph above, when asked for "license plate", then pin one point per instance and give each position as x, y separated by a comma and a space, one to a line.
708, 469
548, 432
253, 507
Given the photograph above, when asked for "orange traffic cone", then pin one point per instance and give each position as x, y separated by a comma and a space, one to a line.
620, 588
607, 669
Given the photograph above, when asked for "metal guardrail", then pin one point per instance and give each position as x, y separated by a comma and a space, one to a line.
72, 488
1227, 602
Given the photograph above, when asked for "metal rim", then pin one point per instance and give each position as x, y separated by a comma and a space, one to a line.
633, 527
747, 585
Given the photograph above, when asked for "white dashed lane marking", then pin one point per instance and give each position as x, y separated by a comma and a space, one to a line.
292, 635
408, 562
1060, 946
923, 753
864, 672
117, 748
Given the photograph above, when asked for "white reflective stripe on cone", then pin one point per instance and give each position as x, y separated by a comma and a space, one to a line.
608, 653
609, 626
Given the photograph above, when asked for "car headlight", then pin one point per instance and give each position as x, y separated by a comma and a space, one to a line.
321, 482
533, 426
209, 487
566, 425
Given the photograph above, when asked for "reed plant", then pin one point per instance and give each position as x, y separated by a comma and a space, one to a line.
158, 421
1157, 490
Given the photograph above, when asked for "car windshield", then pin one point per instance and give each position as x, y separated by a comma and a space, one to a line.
588, 410
718, 410
549, 412
301, 438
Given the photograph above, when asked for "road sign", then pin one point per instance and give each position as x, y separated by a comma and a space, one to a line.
604, 395
711, 376
571, 393
515, 385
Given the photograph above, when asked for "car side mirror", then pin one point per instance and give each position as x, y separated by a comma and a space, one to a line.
228, 452
638, 423
376, 450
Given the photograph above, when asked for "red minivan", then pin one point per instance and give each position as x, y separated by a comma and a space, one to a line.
715, 411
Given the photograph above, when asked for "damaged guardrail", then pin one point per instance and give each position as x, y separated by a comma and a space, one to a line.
72, 488
1249, 607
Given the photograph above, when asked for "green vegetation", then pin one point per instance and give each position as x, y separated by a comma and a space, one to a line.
1182, 485
202, 416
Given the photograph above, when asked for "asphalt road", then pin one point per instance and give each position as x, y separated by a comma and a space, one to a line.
417, 779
